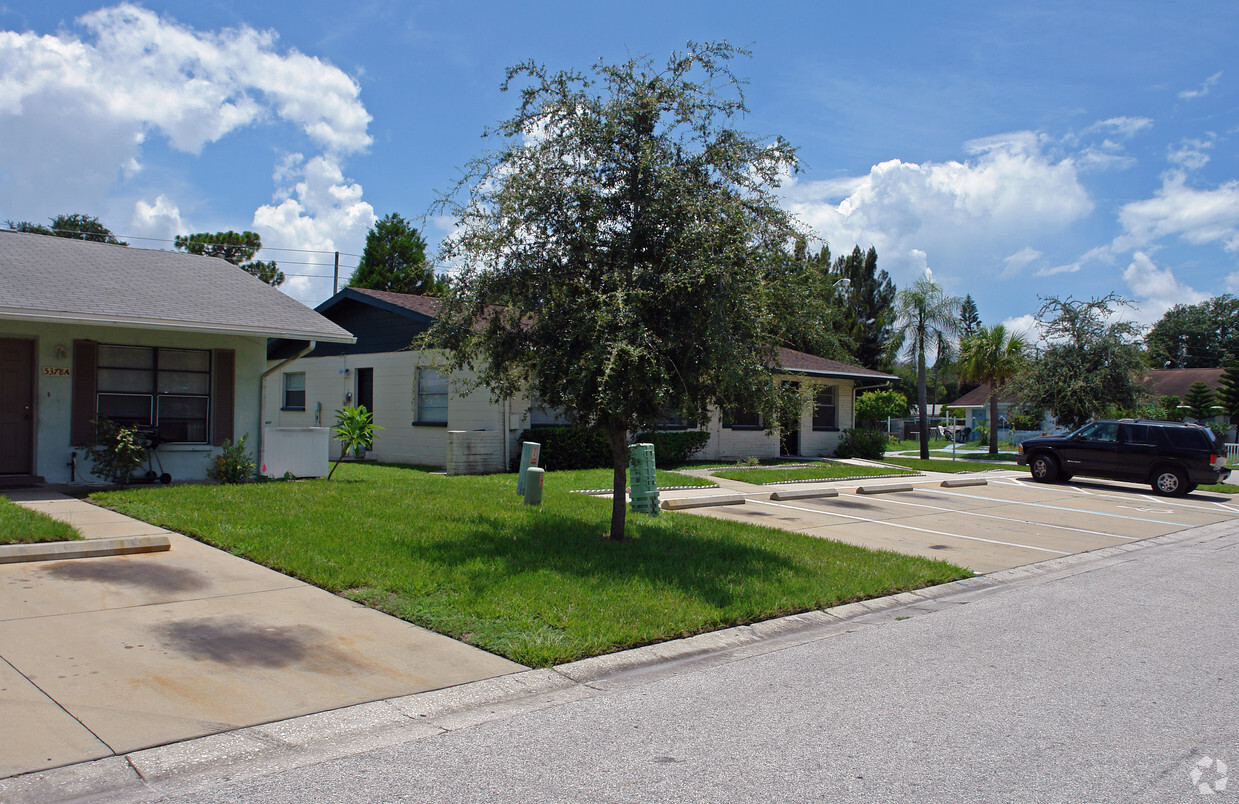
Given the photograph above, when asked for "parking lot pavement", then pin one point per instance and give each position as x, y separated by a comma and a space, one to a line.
1008, 522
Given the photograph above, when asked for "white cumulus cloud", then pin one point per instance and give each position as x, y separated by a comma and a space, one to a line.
1155, 289
1198, 216
1008, 189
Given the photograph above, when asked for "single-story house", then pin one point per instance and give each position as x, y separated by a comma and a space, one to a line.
427, 419
172, 342
1157, 383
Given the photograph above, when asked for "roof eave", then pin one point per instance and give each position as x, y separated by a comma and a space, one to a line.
133, 322
843, 375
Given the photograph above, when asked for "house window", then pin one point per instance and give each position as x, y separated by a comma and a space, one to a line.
431, 397
167, 391
740, 419
543, 415
825, 405
674, 421
294, 391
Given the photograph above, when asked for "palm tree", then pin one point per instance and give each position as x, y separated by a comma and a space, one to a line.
924, 313
993, 356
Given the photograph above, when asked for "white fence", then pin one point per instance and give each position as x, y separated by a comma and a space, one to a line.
1232, 454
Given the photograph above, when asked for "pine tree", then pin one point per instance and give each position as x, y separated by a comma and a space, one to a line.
395, 259
969, 321
1199, 400
1228, 393
237, 248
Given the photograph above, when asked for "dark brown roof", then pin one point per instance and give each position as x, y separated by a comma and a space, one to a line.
805, 363
426, 305
1175, 382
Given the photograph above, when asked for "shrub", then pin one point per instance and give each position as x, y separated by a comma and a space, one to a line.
355, 429
233, 464
118, 451
857, 443
676, 446
571, 447
875, 407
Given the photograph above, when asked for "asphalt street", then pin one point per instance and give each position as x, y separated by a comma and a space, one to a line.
1109, 676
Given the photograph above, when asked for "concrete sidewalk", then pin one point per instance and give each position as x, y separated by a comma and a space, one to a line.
104, 656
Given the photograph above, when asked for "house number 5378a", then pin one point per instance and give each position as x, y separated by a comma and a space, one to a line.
55, 371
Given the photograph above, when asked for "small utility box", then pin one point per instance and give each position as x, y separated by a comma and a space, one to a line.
533, 485
529, 457
642, 480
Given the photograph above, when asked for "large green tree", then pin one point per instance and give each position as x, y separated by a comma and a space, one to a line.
867, 309
1204, 335
237, 248
76, 226
924, 315
1089, 365
969, 318
1200, 401
395, 259
993, 355
1228, 393
620, 249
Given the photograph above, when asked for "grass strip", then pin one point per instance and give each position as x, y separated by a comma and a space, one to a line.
581, 479
825, 471
1221, 488
934, 465
20, 525
539, 585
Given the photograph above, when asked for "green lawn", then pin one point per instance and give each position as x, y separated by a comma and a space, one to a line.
983, 456
1222, 488
580, 479
824, 471
935, 465
540, 585
19, 525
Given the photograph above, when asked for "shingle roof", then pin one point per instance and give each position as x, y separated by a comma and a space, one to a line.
804, 363
44, 278
425, 305
1175, 382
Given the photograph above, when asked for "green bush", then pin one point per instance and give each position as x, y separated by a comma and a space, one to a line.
857, 443
875, 407
233, 464
570, 447
118, 452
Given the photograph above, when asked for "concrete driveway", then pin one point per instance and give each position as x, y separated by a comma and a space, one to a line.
1008, 522
103, 656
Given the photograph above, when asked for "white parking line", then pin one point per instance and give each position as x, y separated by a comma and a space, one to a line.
1148, 497
1057, 508
1025, 484
908, 527
1005, 519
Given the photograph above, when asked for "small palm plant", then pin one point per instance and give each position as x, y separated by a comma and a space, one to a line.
355, 429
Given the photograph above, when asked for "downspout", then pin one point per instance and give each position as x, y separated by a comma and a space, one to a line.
262, 385
503, 430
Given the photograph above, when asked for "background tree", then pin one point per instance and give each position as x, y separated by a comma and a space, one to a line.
993, 355
1089, 365
237, 248
76, 227
923, 313
969, 320
616, 249
1228, 394
867, 311
873, 408
1199, 401
395, 259
1204, 335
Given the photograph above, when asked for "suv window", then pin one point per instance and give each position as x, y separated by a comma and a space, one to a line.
1138, 434
1186, 438
1100, 431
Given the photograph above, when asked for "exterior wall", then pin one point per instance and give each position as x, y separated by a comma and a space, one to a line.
727, 443
53, 395
330, 384
330, 381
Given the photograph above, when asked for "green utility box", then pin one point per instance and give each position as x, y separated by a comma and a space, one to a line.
529, 457
533, 485
642, 480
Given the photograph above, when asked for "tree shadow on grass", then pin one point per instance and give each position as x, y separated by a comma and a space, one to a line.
661, 554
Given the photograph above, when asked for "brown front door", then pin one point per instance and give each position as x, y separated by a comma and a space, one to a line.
16, 406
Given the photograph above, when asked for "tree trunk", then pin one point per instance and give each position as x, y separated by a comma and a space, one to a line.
618, 439
993, 421
921, 404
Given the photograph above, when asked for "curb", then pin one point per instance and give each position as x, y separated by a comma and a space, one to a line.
884, 489
91, 548
703, 502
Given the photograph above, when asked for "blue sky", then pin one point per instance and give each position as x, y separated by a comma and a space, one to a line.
1017, 150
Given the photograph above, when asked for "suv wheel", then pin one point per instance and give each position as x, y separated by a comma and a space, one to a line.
1169, 482
1044, 469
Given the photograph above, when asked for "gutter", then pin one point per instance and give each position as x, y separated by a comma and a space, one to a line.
262, 386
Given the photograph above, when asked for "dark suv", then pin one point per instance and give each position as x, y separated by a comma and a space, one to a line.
1173, 458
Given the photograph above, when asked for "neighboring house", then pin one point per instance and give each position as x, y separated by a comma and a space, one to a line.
427, 420
172, 342
1156, 383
